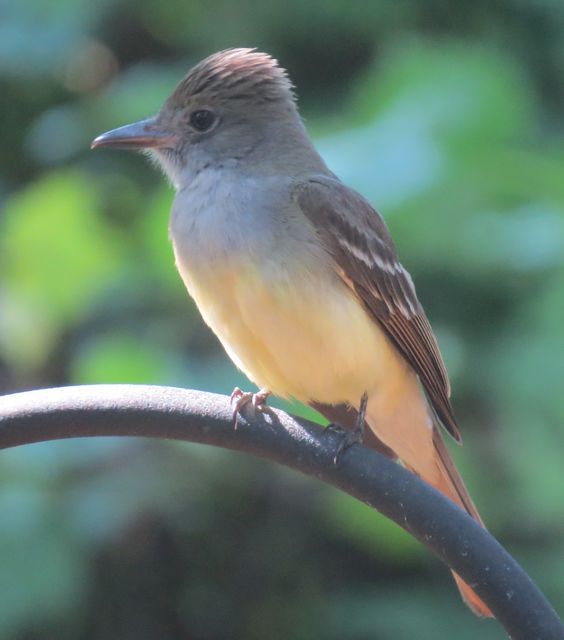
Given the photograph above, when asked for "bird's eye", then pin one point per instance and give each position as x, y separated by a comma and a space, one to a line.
202, 119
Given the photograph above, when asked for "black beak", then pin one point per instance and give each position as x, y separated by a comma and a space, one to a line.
145, 134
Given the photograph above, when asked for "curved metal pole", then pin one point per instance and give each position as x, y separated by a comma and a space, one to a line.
165, 412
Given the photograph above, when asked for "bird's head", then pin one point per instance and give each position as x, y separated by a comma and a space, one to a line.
233, 105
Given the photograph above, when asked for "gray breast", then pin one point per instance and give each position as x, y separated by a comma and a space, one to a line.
224, 215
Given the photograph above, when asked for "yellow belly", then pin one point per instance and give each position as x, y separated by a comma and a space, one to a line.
297, 334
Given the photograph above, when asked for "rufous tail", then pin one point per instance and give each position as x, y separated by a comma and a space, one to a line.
451, 484
401, 419
400, 427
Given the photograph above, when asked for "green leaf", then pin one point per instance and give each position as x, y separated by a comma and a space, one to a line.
119, 358
377, 535
57, 256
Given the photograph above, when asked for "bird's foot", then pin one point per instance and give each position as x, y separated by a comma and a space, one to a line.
348, 437
240, 399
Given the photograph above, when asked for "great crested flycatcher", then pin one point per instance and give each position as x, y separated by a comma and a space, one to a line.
296, 273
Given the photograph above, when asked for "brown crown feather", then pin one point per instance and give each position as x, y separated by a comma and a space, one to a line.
236, 73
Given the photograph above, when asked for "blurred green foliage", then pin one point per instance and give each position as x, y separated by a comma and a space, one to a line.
447, 116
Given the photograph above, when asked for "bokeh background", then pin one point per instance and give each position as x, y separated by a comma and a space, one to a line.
447, 115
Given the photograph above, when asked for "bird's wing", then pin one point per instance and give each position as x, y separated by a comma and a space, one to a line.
365, 258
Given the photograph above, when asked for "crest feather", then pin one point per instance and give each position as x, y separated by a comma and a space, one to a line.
236, 73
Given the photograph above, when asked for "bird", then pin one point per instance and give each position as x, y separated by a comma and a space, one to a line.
295, 272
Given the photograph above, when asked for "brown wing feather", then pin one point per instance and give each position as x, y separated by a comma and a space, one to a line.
365, 257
